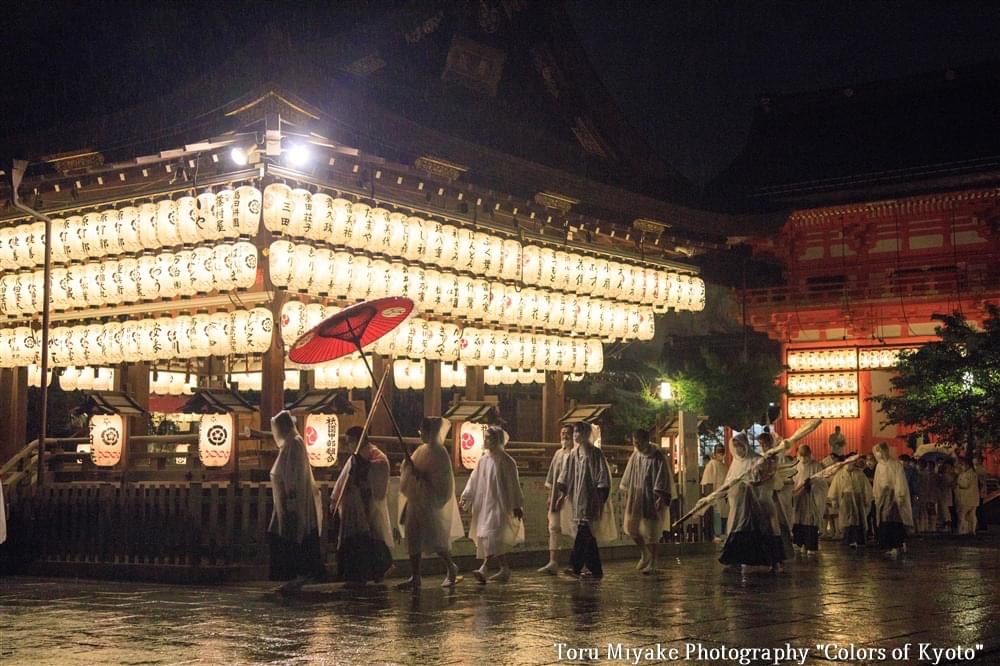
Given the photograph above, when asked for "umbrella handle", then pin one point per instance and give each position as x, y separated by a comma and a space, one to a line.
379, 397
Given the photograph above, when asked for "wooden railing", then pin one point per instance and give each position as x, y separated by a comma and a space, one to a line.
873, 287
21, 467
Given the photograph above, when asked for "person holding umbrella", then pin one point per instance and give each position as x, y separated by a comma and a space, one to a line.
429, 519
358, 500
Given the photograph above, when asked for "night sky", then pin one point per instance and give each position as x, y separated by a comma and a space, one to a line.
686, 74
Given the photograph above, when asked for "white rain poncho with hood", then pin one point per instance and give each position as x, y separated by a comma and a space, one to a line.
760, 483
584, 474
851, 493
809, 505
557, 516
297, 504
429, 518
891, 491
715, 475
492, 493
647, 477
357, 516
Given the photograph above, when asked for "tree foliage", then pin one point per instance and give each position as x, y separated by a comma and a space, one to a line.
733, 391
951, 387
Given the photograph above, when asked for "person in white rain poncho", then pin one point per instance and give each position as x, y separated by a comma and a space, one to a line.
754, 537
893, 509
711, 479
429, 518
296, 522
851, 493
556, 515
493, 495
646, 488
585, 482
783, 485
831, 523
966, 497
809, 502
364, 538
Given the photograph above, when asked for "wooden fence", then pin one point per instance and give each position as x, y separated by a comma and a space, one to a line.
154, 524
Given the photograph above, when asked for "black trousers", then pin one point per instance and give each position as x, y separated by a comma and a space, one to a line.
585, 553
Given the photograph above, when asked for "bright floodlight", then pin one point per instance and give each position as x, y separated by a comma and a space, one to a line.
666, 391
298, 155
239, 156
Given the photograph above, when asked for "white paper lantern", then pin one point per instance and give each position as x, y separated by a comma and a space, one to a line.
433, 243
246, 207
360, 227
449, 246
216, 433
147, 221
465, 249
361, 276
225, 211
206, 218
150, 283
300, 220
471, 438
300, 278
187, 220
107, 435
167, 229
342, 224
398, 233
277, 207
415, 242
379, 224
245, 264
202, 270
280, 262
322, 438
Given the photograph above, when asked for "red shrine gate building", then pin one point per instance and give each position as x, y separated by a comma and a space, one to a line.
882, 210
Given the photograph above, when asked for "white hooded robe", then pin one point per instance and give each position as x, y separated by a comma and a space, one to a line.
355, 516
646, 478
297, 504
429, 519
586, 471
493, 491
892, 493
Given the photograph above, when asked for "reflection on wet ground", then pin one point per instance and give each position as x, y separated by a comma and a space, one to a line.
945, 593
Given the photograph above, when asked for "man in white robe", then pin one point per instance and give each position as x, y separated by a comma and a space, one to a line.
429, 518
783, 485
809, 502
966, 497
555, 515
296, 522
851, 493
893, 508
493, 495
712, 478
754, 537
586, 483
364, 540
645, 488
831, 524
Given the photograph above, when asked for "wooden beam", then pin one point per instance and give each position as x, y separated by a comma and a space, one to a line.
13, 411
136, 386
432, 388
475, 383
553, 405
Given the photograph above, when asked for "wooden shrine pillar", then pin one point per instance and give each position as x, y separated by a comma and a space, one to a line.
272, 363
381, 425
475, 383
553, 405
136, 386
687, 434
13, 411
432, 388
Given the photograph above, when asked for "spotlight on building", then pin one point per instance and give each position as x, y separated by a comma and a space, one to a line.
239, 156
299, 155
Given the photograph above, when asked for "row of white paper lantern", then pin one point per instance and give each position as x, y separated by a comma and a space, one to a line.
320, 272
299, 213
137, 340
348, 372
422, 339
87, 379
413, 375
223, 267
252, 381
165, 382
188, 220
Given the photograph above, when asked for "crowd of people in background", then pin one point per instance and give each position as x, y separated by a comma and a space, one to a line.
873, 499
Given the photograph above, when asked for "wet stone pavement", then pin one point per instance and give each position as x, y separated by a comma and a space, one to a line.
946, 593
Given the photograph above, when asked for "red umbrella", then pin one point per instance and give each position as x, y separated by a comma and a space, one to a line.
349, 330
